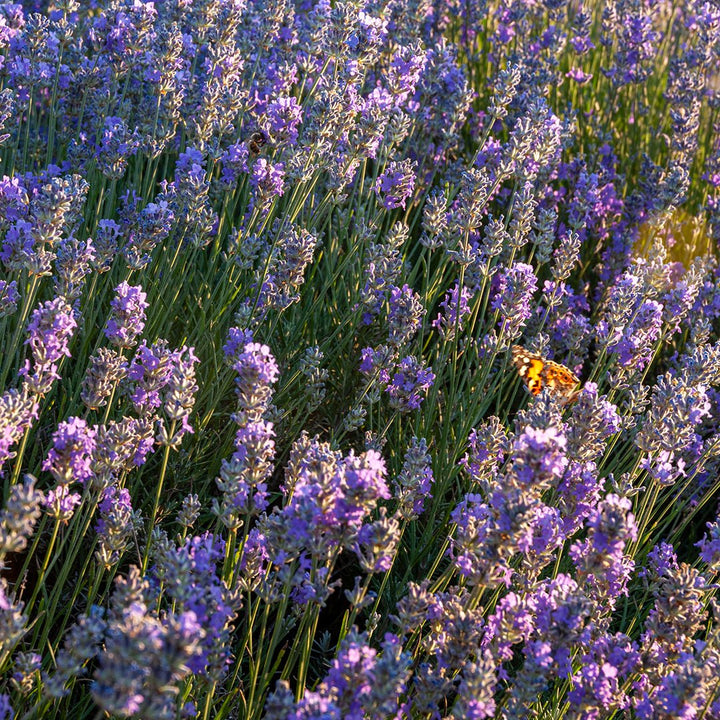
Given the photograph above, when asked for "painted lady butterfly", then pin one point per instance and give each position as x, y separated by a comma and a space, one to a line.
538, 373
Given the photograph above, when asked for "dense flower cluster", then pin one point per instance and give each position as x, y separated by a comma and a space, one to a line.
360, 359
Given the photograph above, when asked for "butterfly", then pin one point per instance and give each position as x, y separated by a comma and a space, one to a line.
538, 373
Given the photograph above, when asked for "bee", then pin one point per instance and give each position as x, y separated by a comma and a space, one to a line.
538, 373
256, 142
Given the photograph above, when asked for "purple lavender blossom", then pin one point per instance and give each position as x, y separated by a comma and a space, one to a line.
256, 371
19, 516
12, 618
636, 346
268, 179
17, 411
107, 238
127, 315
105, 371
487, 446
405, 311
72, 265
539, 456
235, 162
27, 672
179, 396
408, 384
284, 116
114, 526
49, 331
377, 543
413, 485
69, 459
243, 478
121, 447
599, 685
117, 145
710, 547
360, 683
329, 499
236, 342
144, 657
60, 503
600, 559
396, 184
9, 297
456, 309
515, 289
151, 226
191, 574
148, 373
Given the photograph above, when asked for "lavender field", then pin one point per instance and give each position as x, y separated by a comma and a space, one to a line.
360, 359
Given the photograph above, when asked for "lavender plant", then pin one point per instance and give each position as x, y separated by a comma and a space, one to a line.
264, 449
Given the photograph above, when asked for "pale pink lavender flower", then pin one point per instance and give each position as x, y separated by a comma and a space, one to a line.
127, 315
